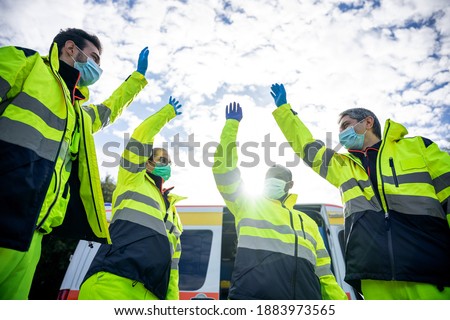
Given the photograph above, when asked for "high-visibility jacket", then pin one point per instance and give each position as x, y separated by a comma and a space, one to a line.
47, 153
145, 231
280, 252
405, 235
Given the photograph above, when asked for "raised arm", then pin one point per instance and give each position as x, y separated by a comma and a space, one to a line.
226, 173
139, 147
107, 112
313, 152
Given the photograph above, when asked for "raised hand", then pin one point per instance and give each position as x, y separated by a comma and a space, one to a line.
278, 94
233, 111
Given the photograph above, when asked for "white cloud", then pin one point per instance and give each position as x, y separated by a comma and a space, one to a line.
392, 59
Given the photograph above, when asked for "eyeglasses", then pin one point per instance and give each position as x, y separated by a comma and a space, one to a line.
95, 58
162, 162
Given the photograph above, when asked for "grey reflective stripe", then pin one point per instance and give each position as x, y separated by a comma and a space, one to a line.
275, 245
416, 177
324, 270
176, 232
326, 159
104, 113
130, 166
26, 102
322, 253
174, 265
140, 218
360, 204
178, 248
23, 135
232, 196
139, 148
263, 224
227, 178
350, 184
415, 205
132, 195
311, 150
4, 88
441, 182
91, 112
308, 237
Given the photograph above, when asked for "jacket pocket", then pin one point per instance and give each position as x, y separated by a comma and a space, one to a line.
412, 163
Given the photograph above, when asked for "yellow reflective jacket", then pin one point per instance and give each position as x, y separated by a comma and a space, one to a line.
145, 229
280, 252
48, 158
402, 235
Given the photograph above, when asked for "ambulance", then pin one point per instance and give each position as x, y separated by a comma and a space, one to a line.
208, 251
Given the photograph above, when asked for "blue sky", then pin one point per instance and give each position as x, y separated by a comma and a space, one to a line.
392, 57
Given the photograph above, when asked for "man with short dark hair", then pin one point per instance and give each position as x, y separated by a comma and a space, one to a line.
280, 252
395, 192
47, 152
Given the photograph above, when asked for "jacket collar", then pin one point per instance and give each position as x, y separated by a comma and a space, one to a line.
394, 131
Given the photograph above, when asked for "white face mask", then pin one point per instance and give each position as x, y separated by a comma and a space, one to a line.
274, 188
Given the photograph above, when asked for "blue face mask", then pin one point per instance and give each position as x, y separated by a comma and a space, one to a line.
163, 172
90, 72
352, 140
274, 188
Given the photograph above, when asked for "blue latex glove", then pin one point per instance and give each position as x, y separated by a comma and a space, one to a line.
175, 105
278, 94
143, 61
234, 111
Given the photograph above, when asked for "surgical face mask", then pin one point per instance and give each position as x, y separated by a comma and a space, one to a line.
163, 172
90, 72
352, 140
274, 188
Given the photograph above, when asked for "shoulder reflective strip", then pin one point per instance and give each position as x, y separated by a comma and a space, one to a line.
326, 159
275, 245
104, 113
350, 184
441, 182
174, 265
90, 112
139, 148
26, 102
416, 177
311, 150
322, 253
4, 88
28, 137
140, 218
324, 270
360, 204
130, 166
227, 178
415, 205
132, 195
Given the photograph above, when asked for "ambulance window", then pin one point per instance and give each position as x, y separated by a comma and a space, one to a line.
196, 248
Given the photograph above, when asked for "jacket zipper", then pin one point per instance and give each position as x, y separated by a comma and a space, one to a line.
295, 251
56, 159
88, 168
391, 164
387, 220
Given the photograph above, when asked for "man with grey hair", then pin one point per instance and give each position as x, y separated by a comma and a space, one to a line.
395, 192
280, 252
